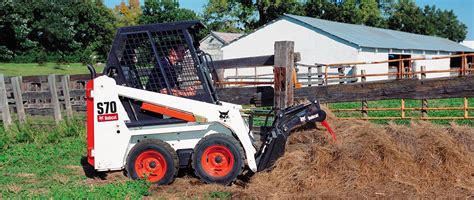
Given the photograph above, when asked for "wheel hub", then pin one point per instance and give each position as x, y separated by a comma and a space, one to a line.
152, 165
217, 161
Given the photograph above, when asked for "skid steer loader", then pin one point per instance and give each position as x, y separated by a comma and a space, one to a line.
155, 110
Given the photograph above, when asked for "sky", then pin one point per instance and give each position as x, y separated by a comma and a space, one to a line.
464, 9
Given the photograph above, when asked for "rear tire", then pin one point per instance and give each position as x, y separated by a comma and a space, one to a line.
154, 159
218, 158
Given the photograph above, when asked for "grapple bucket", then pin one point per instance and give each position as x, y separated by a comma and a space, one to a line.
285, 121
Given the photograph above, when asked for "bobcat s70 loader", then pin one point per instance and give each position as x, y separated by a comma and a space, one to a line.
155, 110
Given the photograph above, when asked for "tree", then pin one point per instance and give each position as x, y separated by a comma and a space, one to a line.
160, 11
322, 9
447, 25
269, 10
370, 14
245, 15
127, 15
365, 12
407, 16
55, 31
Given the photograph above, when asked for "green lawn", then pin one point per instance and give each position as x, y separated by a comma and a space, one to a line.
30, 69
39, 162
409, 103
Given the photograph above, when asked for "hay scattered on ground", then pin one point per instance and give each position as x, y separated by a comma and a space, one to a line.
368, 161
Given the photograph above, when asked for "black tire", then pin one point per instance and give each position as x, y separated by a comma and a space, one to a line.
153, 148
218, 142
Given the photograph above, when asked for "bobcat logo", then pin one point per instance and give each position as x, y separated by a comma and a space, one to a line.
224, 115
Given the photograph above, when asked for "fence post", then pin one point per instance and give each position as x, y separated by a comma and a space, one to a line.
283, 74
400, 68
402, 101
309, 76
6, 117
365, 105
20, 109
463, 65
424, 102
67, 97
54, 98
466, 108
320, 74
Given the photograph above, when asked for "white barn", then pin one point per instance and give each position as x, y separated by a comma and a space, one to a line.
328, 42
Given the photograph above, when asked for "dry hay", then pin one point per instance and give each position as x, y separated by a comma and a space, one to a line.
422, 160
368, 161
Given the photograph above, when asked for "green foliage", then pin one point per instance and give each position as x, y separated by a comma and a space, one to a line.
407, 16
245, 15
220, 195
41, 30
160, 11
403, 15
29, 133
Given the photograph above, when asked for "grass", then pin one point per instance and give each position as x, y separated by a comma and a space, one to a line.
410, 103
44, 162
31, 69
39, 163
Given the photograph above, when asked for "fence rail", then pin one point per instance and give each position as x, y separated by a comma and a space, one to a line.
58, 95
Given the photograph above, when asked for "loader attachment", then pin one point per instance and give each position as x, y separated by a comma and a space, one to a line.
285, 121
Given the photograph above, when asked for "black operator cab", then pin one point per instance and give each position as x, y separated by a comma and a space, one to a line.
162, 58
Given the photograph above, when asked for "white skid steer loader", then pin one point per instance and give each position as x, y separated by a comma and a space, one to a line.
155, 110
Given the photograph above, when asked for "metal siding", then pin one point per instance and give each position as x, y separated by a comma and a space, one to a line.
366, 36
314, 47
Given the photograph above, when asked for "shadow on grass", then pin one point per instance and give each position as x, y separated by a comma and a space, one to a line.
90, 172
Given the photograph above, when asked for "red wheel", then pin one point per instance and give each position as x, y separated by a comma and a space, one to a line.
218, 158
217, 161
150, 164
153, 159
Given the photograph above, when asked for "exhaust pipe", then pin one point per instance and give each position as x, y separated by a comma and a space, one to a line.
91, 71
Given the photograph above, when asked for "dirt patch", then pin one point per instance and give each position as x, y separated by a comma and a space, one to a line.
13, 188
368, 161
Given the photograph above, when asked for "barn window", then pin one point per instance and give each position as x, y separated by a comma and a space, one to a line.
393, 66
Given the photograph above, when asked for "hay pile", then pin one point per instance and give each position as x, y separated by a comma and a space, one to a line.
369, 160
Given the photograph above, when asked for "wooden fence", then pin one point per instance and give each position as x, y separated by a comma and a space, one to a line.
41, 95
62, 95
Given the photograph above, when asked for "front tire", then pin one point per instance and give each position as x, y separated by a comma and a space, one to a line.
154, 159
218, 158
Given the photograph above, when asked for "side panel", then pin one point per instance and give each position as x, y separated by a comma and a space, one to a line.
90, 122
111, 135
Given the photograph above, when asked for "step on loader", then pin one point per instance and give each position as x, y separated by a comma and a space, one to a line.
155, 110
